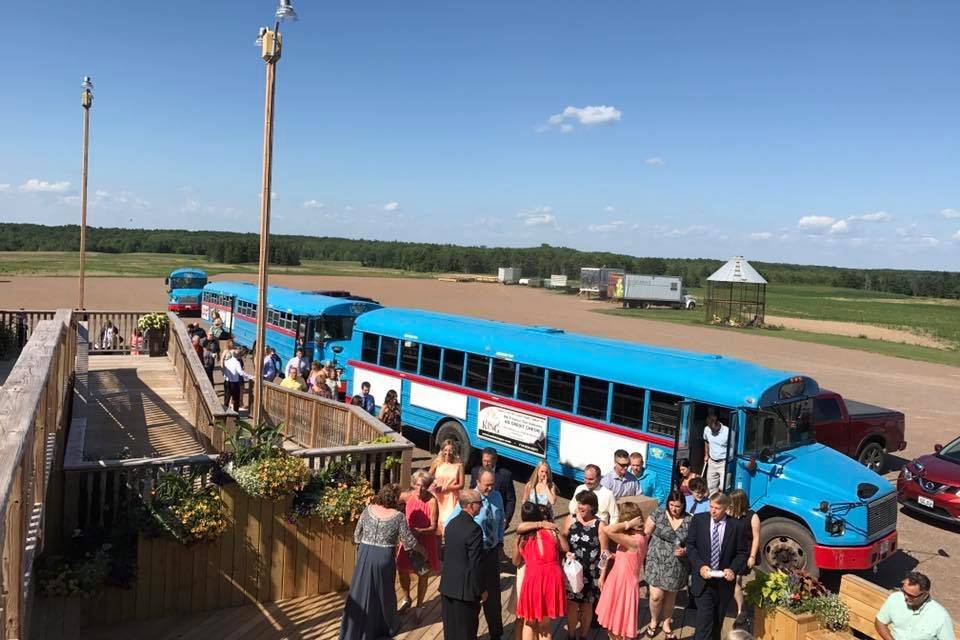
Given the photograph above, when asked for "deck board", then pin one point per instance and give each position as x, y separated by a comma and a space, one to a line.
134, 403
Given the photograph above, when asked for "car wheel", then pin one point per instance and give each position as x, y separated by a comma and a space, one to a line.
453, 430
786, 545
873, 457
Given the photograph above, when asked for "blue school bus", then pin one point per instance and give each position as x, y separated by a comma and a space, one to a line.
321, 324
538, 393
184, 286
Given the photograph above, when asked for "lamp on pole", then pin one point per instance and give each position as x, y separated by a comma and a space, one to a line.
270, 47
86, 101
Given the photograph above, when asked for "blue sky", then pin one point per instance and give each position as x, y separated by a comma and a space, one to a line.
815, 132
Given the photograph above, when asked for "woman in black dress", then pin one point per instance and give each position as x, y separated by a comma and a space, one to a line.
586, 537
740, 508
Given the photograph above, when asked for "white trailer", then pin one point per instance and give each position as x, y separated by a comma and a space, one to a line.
508, 275
644, 291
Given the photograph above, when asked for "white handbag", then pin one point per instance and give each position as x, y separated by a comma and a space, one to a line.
573, 575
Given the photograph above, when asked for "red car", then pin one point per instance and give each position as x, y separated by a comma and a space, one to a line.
930, 484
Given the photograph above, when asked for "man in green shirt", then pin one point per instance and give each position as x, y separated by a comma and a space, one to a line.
911, 614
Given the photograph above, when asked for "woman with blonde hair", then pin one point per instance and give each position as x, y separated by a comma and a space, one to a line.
540, 489
740, 508
447, 471
620, 590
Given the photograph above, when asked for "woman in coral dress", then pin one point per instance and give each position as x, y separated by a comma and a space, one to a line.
620, 590
421, 510
447, 472
543, 597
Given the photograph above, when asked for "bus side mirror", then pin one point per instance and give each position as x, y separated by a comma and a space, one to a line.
166, 281
337, 349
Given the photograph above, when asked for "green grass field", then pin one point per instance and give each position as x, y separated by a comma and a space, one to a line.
59, 263
925, 316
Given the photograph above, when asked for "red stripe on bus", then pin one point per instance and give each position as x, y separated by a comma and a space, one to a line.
516, 404
272, 327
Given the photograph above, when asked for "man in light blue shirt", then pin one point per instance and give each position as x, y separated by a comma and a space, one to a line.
620, 481
646, 478
911, 614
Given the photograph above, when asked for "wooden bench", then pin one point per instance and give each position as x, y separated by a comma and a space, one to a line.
863, 599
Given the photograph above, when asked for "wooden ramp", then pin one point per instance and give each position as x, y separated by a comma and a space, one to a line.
134, 407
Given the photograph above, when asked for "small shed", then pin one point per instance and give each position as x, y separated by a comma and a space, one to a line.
736, 294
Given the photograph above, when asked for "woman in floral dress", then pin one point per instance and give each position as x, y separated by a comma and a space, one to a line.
667, 565
586, 537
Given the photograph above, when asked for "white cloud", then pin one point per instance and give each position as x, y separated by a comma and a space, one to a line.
929, 241
34, 185
761, 235
949, 214
391, 206
313, 204
4, 187
655, 161
692, 230
609, 209
877, 216
190, 206
840, 226
605, 227
538, 217
69, 200
816, 222
588, 116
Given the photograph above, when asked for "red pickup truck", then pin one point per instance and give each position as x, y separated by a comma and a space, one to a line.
862, 431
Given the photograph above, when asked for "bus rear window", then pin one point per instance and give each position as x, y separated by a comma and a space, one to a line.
627, 406
429, 361
453, 366
560, 390
664, 414
502, 380
368, 352
409, 354
593, 398
530, 387
388, 352
477, 371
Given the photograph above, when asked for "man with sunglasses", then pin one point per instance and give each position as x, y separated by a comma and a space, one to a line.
620, 481
911, 614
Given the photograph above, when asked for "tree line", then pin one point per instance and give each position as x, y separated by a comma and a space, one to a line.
542, 261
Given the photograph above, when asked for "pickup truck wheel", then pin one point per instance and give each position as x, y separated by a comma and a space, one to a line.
873, 457
692, 305
453, 430
786, 545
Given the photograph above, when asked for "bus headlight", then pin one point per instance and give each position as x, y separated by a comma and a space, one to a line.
834, 526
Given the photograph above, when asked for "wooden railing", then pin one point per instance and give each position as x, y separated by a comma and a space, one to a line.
23, 322
34, 405
124, 323
207, 412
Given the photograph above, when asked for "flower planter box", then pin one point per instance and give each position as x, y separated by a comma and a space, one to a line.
781, 624
154, 339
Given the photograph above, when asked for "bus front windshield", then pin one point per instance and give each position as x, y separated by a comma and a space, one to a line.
187, 283
779, 427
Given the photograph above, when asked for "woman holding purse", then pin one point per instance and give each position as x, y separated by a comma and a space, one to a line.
586, 536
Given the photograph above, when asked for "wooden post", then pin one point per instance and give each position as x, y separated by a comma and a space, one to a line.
86, 102
313, 427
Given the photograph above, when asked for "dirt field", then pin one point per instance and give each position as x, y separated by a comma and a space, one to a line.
855, 330
926, 393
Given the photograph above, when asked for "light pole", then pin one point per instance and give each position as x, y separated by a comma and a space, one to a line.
86, 101
270, 47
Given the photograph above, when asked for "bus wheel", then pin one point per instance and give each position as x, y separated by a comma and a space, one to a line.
453, 430
786, 545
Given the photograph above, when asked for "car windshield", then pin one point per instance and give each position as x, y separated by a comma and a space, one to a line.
779, 427
951, 452
187, 283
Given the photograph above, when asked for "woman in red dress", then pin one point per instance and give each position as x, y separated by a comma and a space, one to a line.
421, 510
543, 596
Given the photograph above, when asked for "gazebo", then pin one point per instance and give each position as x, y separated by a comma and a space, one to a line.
736, 294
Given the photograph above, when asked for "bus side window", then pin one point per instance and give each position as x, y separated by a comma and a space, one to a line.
530, 388
409, 355
453, 366
429, 361
560, 390
478, 370
388, 352
664, 416
371, 345
504, 375
627, 406
593, 398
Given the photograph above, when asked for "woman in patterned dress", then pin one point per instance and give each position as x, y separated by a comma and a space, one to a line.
667, 565
586, 537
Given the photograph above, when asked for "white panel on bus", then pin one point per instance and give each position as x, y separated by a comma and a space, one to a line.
439, 400
379, 384
580, 446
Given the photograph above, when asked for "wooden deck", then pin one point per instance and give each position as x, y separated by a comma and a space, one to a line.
314, 617
133, 404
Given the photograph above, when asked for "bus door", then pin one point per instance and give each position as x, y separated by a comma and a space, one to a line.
304, 335
692, 444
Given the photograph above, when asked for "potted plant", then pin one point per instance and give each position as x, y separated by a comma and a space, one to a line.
154, 327
334, 495
789, 605
259, 464
185, 511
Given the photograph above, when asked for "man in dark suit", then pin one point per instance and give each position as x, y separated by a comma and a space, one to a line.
503, 484
461, 579
718, 547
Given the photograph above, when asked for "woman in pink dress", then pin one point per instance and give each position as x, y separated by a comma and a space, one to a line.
620, 590
447, 471
422, 512
543, 596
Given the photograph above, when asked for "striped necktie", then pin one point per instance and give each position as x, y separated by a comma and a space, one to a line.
715, 546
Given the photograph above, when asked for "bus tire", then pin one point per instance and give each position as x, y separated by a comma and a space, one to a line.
453, 430
785, 544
